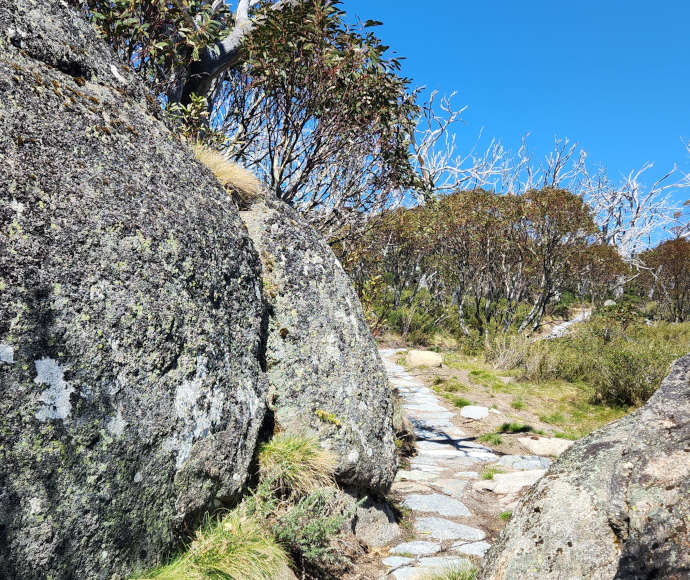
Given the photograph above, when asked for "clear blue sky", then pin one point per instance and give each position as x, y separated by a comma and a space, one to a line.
613, 75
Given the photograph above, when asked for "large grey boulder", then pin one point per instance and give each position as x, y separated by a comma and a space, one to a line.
321, 358
615, 505
130, 314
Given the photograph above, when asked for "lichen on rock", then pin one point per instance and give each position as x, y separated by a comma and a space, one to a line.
131, 392
321, 358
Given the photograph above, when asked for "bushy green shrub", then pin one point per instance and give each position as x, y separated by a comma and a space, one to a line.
307, 528
621, 359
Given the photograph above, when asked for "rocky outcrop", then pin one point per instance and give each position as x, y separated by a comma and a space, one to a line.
615, 505
321, 358
130, 314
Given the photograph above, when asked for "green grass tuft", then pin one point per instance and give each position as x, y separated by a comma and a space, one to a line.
505, 516
491, 438
235, 547
295, 465
489, 472
514, 428
463, 573
518, 404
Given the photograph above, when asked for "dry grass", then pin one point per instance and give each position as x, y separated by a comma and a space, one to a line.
463, 573
236, 547
243, 185
296, 465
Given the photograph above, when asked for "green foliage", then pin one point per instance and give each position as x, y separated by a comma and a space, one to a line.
622, 360
491, 438
514, 428
489, 472
327, 417
233, 547
306, 530
295, 465
505, 516
518, 404
158, 38
463, 573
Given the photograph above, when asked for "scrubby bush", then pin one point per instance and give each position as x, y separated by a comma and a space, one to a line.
620, 358
306, 530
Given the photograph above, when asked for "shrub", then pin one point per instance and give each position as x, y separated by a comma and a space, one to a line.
306, 530
514, 428
235, 547
295, 465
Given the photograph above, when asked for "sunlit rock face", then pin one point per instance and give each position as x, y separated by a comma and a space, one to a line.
131, 391
321, 359
615, 505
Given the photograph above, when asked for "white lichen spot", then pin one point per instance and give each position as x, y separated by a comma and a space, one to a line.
6, 353
117, 75
35, 506
138, 477
353, 456
56, 396
116, 425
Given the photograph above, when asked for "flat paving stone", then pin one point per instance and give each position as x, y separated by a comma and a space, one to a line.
508, 483
397, 561
467, 475
444, 562
525, 462
437, 503
418, 548
451, 486
405, 475
472, 548
442, 529
545, 445
474, 412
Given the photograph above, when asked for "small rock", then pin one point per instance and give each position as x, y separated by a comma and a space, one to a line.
436, 503
441, 529
472, 549
545, 445
416, 548
375, 524
424, 358
474, 412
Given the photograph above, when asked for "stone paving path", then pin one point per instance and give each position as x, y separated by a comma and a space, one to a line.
447, 467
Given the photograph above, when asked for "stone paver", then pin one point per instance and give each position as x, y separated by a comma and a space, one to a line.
443, 471
505, 483
472, 548
436, 503
397, 561
442, 529
418, 548
545, 445
525, 462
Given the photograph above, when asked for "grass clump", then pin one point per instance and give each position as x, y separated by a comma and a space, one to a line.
489, 472
327, 417
295, 465
491, 438
505, 516
243, 185
462, 573
235, 547
518, 404
514, 428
